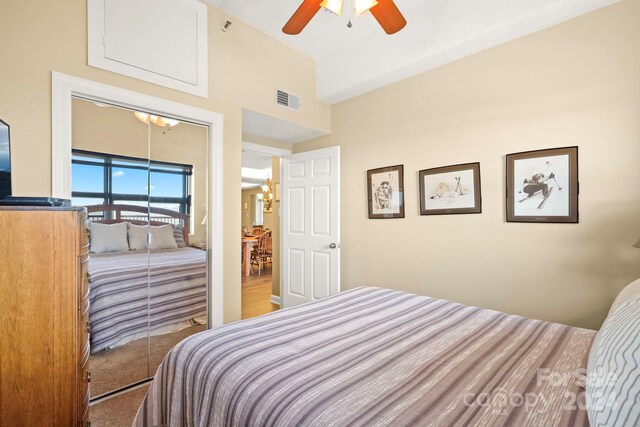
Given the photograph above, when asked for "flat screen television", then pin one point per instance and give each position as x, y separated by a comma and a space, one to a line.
5, 161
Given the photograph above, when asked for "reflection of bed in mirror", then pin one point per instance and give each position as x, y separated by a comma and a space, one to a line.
147, 291
171, 282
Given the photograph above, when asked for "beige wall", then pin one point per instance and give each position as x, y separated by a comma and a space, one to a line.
271, 221
577, 83
118, 131
245, 66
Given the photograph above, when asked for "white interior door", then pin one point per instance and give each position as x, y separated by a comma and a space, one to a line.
310, 226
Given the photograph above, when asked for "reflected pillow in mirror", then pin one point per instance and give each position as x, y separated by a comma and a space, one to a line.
178, 235
162, 237
138, 237
108, 237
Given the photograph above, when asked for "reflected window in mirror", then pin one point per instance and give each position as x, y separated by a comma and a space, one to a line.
108, 179
258, 209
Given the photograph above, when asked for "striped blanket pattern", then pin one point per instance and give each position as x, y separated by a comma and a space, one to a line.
373, 357
122, 286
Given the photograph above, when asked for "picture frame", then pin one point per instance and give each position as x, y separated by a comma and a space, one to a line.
543, 186
450, 190
385, 190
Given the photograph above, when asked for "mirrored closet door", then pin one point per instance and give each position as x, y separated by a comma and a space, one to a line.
178, 177
143, 180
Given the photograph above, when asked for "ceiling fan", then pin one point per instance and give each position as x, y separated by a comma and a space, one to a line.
385, 11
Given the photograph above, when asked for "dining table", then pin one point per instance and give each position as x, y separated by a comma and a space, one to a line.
247, 243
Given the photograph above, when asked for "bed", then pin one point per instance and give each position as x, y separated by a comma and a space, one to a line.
135, 294
375, 357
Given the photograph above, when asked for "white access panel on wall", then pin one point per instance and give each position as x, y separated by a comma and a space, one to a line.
310, 227
160, 41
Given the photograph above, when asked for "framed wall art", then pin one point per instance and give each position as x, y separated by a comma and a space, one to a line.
450, 190
542, 186
386, 192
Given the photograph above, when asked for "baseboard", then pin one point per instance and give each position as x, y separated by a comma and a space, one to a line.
275, 299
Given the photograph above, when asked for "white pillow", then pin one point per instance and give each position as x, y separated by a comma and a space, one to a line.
108, 237
161, 237
613, 372
138, 237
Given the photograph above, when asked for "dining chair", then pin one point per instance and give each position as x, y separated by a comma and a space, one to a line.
261, 252
258, 231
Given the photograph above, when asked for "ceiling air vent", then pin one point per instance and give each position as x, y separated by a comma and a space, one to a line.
287, 100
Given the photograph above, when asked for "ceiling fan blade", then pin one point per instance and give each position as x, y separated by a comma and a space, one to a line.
301, 17
388, 16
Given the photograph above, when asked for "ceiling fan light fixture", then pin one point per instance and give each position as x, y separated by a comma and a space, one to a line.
384, 11
334, 6
361, 6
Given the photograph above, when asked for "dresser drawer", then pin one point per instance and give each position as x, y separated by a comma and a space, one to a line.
83, 237
83, 277
84, 420
85, 381
84, 330
83, 410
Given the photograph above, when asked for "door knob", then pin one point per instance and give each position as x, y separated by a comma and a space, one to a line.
333, 246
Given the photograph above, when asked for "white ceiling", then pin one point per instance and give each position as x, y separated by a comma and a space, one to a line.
270, 127
256, 168
353, 61
255, 160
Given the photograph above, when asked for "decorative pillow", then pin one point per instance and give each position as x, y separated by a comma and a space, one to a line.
162, 237
613, 372
138, 237
108, 237
178, 236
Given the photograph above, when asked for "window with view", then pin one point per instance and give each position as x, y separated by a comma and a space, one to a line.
108, 179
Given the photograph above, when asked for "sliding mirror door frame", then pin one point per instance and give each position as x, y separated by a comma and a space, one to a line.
64, 87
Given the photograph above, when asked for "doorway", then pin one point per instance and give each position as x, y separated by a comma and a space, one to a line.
260, 234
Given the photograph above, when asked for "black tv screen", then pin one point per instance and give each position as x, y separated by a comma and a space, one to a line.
5, 161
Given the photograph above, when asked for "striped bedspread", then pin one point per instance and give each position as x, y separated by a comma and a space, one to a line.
374, 357
122, 285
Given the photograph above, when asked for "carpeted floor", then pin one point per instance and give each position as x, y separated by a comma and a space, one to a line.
127, 364
118, 411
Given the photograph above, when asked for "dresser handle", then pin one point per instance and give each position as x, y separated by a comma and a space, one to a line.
88, 328
88, 376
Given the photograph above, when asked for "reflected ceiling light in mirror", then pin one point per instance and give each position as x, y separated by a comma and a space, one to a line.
156, 120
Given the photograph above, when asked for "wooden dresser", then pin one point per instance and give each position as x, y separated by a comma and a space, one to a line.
44, 310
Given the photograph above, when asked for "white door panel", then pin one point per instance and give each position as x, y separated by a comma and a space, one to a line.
311, 226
